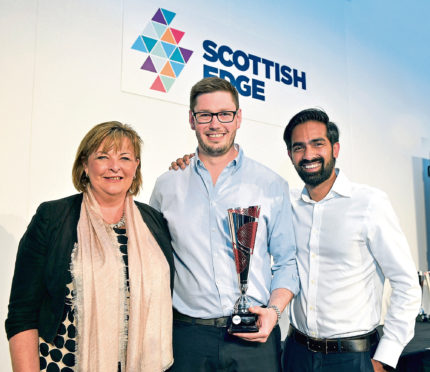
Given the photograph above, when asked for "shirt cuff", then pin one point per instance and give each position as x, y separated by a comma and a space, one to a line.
388, 352
290, 282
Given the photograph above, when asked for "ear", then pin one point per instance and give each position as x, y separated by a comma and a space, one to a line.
191, 120
238, 118
336, 148
85, 168
289, 155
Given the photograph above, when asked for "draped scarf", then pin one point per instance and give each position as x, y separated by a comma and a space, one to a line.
100, 301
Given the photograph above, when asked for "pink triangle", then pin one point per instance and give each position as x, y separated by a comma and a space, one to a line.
177, 35
148, 65
158, 85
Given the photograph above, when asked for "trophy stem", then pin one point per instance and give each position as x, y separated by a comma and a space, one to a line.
243, 303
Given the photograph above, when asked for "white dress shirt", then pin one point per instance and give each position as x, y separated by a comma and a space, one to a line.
347, 243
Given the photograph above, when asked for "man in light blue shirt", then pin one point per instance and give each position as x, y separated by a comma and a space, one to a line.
195, 203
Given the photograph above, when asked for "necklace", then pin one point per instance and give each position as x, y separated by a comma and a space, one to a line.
119, 224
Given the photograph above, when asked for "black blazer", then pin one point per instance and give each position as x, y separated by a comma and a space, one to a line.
43, 259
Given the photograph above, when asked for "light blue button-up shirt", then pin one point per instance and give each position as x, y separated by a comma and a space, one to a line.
206, 283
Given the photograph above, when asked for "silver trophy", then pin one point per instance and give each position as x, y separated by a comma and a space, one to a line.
243, 223
424, 280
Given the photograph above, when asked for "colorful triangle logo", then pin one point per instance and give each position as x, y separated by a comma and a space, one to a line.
166, 58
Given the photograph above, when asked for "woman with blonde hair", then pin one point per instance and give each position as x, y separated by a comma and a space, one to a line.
94, 271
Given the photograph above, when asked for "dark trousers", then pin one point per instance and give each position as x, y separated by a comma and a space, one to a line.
200, 348
297, 358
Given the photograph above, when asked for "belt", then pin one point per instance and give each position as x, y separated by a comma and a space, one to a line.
355, 344
215, 322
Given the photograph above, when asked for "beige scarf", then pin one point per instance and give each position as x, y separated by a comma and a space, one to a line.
100, 309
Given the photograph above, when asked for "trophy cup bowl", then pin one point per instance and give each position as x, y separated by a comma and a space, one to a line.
243, 223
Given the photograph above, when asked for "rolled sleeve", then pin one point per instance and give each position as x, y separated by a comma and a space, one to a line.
282, 246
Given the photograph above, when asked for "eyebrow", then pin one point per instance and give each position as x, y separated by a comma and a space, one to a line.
104, 152
313, 140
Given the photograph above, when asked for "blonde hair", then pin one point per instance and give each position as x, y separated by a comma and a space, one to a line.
112, 133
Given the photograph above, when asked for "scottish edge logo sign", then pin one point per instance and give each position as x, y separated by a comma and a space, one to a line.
169, 46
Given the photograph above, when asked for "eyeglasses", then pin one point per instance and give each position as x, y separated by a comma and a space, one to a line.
222, 116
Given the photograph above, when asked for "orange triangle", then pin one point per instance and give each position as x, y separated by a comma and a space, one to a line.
158, 85
168, 37
167, 70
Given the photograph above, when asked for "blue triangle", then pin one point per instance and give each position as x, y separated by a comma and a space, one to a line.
139, 45
159, 28
177, 67
177, 56
149, 42
168, 48
168, 15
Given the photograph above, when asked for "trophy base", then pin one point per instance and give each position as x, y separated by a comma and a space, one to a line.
243, 323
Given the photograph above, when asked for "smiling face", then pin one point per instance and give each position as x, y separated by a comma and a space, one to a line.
215, 138
111, 170
312, 153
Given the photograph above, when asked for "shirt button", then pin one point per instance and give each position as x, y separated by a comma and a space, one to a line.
313, 255
213, 229
312, 281
311, 308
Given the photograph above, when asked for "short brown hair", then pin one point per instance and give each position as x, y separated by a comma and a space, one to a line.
113, 132
210, 85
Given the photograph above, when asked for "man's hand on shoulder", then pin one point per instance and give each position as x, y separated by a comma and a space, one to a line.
181, 162
267, 319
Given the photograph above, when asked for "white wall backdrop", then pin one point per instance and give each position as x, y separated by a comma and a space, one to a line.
61, 71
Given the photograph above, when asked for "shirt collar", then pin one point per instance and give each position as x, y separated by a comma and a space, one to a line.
341, 187
236, 162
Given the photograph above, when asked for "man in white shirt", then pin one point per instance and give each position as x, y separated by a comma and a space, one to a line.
348, 240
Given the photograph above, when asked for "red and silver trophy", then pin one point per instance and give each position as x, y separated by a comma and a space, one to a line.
243, 223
